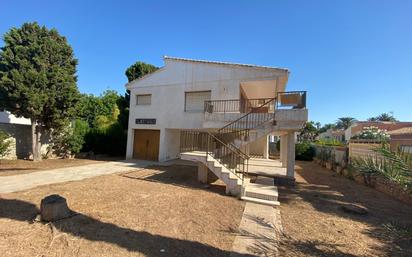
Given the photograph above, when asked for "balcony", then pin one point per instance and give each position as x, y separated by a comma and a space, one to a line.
287, 109
237, 106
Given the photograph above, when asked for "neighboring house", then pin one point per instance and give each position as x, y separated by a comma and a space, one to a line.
334, 134
401, 139
215, 113
358, 126
19, 130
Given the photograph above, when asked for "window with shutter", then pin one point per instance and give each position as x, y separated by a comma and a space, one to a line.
143, 99
406, 148
195, 101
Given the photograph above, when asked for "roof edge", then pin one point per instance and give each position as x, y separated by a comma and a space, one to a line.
224, 63
128, 84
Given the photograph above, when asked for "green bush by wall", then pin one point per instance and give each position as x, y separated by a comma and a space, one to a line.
304, 151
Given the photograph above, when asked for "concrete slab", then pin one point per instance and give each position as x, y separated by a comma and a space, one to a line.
266, 167
259, 230
257, 166
20, 182
264, 192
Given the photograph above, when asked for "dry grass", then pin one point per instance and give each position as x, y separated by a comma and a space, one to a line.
16, 167
315, 225
161, 211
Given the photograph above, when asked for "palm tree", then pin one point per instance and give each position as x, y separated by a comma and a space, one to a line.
384, 117
345, 122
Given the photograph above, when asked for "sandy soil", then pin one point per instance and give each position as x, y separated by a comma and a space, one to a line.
16, 167
161, 211
315, 224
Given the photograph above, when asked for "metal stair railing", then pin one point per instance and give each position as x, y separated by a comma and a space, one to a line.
234, 105
239, 128
227, 155
220, 145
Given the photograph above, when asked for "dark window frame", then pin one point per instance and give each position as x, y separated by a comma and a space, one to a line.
137, 97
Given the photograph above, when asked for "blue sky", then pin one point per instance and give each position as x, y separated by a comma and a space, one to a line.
353, 57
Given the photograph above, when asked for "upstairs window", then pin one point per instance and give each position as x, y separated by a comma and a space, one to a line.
195, 101
143, 99
406, 148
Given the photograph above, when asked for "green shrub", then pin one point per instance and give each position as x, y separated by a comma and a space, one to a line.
304, 151
70, 139
81, 127
4, 143
111, 140
394, 166
324, 153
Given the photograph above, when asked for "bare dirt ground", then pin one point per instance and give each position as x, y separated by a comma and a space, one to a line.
161, 211
17, 167
315, 225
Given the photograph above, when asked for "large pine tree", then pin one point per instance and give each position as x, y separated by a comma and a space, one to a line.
38, 79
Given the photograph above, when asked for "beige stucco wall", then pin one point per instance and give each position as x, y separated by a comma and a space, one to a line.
257, 147
168, 86
20, 136
169, 144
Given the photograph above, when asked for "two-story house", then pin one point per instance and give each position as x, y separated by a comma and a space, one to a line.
216, 113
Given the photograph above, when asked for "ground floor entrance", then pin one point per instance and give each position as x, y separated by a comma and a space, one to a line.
146, 144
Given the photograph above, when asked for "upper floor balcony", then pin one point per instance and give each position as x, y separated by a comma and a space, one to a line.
287, 110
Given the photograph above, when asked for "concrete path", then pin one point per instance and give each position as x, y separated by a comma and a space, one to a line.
259, 230
20, 182
266, 167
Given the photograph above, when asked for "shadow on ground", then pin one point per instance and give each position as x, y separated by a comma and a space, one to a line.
268, 246
91, 229
177, 175
16, 169
327, 192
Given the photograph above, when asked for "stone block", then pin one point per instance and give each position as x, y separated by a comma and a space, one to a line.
339, 169
329, 166
54, 207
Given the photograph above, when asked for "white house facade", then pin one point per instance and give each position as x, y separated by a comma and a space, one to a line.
224, 110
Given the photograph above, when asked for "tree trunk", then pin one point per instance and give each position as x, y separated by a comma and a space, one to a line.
36, 144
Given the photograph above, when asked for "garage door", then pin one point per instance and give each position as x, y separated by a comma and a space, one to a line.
146, 144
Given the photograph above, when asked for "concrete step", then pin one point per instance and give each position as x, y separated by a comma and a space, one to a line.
261, 191
259, 201
233, 183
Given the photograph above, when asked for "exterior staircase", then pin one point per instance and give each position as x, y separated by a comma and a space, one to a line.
234, 182
237, 184
220, 152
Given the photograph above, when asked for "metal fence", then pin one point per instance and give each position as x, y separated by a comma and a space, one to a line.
238, 106
227, 155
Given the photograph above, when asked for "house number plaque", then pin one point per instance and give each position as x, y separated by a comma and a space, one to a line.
146, 121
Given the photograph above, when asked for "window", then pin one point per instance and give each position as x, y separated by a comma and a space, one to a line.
195, 101
143, 99
406, 148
